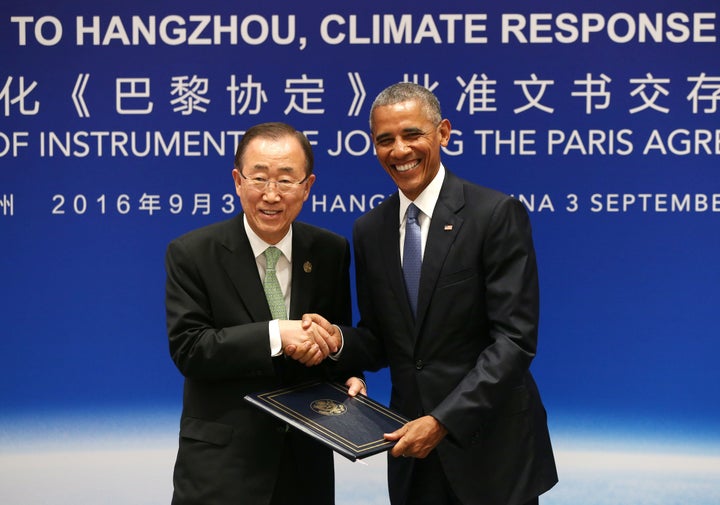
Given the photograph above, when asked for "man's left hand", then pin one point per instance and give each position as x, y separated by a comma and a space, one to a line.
356, 386
417, 438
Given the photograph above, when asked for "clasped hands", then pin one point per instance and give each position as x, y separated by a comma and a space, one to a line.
314, 339
310, 340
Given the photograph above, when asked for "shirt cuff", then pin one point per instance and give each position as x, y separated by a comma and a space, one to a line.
275, 340
336, 356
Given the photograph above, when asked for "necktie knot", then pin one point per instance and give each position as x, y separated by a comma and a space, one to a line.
412, 213
272, 255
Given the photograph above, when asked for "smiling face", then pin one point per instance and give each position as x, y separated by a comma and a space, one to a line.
270, 213
408, 144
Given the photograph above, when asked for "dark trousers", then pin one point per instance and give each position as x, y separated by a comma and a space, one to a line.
296, 483
430, 485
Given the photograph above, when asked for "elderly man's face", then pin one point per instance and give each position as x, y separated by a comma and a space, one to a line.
270, 209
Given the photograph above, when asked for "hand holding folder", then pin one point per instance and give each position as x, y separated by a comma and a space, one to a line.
351, 426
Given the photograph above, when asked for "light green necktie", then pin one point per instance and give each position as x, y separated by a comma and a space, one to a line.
273, 293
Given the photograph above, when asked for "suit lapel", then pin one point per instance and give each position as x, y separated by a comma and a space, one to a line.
444, 228
239, 263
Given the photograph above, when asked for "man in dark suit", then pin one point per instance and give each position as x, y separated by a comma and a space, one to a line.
459, 345
227, 339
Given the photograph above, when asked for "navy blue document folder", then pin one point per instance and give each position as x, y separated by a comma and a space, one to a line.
353, 427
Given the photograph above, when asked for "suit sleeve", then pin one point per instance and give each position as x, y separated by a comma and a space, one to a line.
363, 349
201, 346
512, 310
342, 316
342, 311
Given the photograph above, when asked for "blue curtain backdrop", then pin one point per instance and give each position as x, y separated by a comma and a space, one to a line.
118, 123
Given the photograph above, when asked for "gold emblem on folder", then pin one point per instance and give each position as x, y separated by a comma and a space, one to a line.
328, 407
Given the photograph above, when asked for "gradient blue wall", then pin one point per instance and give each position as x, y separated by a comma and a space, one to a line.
604, 120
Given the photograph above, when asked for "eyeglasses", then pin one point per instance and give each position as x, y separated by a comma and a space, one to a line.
261, 184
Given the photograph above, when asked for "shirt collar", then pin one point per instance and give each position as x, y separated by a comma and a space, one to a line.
259, 245
427, 199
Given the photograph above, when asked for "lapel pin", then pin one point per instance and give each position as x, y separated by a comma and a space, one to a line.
448, 227
307, 267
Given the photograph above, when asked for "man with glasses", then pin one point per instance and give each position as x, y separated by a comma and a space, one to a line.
234, 294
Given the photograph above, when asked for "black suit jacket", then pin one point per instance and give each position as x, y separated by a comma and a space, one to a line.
217, 313
465, 359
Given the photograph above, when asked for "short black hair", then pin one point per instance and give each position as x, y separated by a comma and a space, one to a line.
405, 92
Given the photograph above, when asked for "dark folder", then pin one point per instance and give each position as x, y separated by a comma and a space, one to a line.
352, 427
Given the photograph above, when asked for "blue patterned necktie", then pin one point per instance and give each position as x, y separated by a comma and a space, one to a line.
273, 293
412, 255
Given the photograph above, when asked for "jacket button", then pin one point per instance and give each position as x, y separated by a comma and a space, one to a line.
419, 364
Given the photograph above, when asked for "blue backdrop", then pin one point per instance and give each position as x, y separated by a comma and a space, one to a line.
118, 123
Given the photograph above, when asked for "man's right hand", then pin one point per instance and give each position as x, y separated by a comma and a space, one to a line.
306, 342
330, 328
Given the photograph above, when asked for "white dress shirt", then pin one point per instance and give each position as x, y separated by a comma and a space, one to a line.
283, 272
426, 203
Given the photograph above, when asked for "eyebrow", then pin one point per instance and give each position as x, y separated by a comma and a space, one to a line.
265, 168
405, 131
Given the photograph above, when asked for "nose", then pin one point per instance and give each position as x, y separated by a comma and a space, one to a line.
271, 191
269, 186
400, 147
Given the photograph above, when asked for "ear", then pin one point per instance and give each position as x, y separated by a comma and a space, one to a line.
445, 129
308, 184
238, 180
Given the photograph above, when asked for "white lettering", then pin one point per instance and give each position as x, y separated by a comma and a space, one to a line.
345, 204
622, 203
403, 29
682, 142
174, 30
591, 142
18, 139
619, 27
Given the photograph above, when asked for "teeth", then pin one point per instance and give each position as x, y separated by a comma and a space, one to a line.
407, 166
270, 212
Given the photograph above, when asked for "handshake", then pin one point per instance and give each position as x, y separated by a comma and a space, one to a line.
310, 340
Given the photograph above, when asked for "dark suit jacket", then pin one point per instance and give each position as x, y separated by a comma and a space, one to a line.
465, 359
217, 313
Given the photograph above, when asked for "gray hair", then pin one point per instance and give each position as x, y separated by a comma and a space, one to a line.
407, 91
